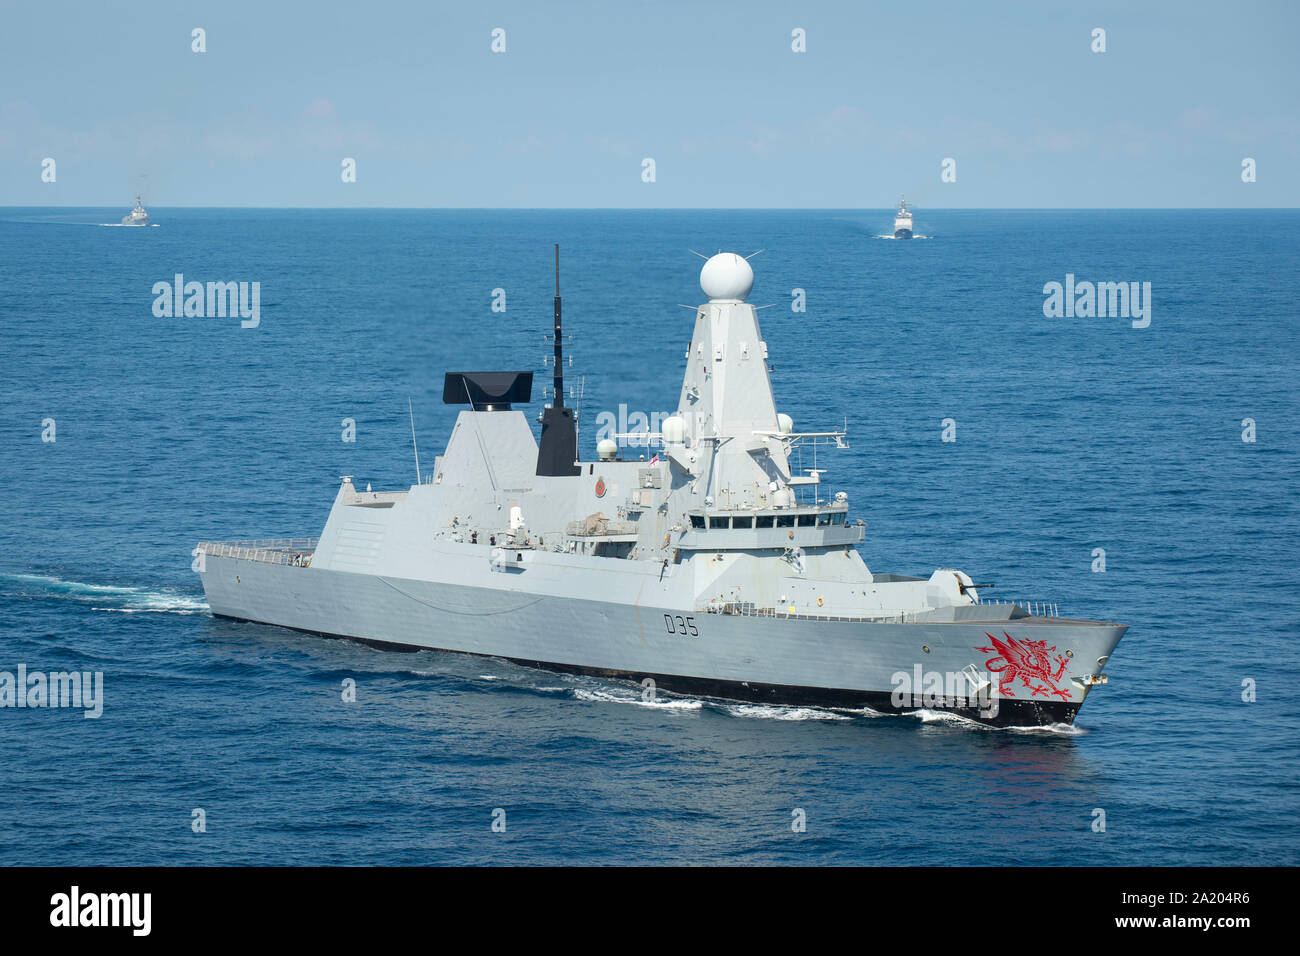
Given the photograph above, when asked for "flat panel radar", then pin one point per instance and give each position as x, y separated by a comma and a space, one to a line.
487, 391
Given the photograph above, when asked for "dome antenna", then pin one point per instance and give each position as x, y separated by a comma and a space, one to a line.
727, 277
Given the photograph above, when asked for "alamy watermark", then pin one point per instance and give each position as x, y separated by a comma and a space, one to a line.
129, 910
80, 689
640, 429
952, 690
1086, 300
213, 300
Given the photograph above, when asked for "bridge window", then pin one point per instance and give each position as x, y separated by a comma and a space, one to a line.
823, 519
716, 522
785, 521
747, 521
838, 517
763, 521
697, 521
807, 521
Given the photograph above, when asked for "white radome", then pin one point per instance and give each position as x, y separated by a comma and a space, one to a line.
727, 276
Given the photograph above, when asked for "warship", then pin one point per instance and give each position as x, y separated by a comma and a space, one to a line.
903, 221
137, 216
720, 568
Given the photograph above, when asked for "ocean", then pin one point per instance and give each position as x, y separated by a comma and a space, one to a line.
1165, 454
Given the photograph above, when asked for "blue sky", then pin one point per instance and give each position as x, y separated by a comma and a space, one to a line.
711, 91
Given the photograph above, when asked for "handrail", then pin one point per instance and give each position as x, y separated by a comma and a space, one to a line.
1035, 608
293, 551
748, 609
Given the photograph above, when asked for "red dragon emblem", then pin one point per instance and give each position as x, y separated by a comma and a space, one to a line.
1028, 661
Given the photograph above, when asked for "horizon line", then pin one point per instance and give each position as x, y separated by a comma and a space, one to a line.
683, 208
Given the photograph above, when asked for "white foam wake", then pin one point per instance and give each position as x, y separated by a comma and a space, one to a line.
777, 712
113, 598
928, 716
663, 703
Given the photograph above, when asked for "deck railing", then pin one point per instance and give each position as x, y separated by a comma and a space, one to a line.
748, 609
1035, 608
295, 551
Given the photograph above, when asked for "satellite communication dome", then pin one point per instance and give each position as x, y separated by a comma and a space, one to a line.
727, 276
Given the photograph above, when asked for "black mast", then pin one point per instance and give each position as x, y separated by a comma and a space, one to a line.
559, 342
557, 452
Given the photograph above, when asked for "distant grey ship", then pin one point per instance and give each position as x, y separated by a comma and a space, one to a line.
137, 216
717, 568
903, 221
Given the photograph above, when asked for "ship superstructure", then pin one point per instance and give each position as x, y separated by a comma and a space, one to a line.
719, 567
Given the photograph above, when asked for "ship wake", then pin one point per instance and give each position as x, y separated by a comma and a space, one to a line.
778, 712
111, 598
660, 703
927, 716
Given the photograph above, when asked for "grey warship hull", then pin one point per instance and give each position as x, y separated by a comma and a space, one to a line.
785, 659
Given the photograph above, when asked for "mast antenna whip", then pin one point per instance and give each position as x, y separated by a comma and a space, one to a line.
411, 411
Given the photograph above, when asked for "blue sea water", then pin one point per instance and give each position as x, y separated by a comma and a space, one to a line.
1072, 435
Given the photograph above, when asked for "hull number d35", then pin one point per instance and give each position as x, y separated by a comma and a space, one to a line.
684, 626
